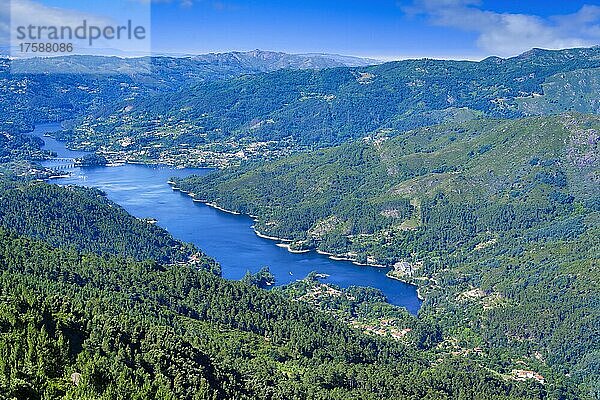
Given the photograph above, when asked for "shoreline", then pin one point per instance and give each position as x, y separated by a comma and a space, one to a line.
255, 218
193, 196
369, 265
287, 247
213, 205
274, 238
338, 257
286, 243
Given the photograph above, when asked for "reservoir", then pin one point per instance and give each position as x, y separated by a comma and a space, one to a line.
143, 191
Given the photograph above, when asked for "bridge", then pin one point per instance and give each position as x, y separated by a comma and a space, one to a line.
62, 163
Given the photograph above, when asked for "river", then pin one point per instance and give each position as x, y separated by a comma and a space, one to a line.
143, 191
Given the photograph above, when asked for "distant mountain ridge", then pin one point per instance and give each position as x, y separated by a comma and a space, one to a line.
297, 109
216, 65
164, 106
496, 220
266, 61
66, 86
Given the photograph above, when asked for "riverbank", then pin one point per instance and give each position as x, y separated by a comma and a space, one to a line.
340, 257
420, 295
284, 243
194, 199
288, 248
274, 238
253, 217
213, 205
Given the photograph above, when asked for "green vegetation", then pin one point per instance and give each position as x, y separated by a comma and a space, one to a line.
572, 91
262, 116
85, 220
19, 155
525, 171
91, 160
78, 325
32, 98
85, 326
262, 279
219, 110
18, 147
365, 308
496, 220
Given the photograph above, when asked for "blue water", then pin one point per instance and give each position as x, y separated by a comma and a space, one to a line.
143, 191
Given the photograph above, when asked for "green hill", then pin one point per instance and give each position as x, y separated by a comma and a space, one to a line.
265, 115
573, 91
497, 219
385, 182
85, 220
82, 326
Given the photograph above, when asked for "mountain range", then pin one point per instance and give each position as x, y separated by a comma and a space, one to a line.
289, 110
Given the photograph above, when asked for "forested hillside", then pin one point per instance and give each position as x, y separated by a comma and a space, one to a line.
79, 325
494, 215
19, 156
285, 110
381, 181
74, 86
86, 327
218, 110
84, 219
496, 220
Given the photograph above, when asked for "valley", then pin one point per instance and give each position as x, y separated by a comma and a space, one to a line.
262, 225
143, 191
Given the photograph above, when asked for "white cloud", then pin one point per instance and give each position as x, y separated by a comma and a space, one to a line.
115, 13
507, 34
24, 12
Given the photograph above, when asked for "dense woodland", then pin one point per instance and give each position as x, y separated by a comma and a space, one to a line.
26, 99
85, 220
19, 156
86, 326
81, 318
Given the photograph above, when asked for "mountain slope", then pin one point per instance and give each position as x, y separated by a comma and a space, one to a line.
265, 61
82, 319
496, 220
220, 109
266, 115
140, 330
85, 220
503, 161
74, 84
576, 90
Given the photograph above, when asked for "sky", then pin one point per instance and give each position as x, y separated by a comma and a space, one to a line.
382, 29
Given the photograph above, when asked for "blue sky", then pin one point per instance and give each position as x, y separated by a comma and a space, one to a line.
376, 28
385, 29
